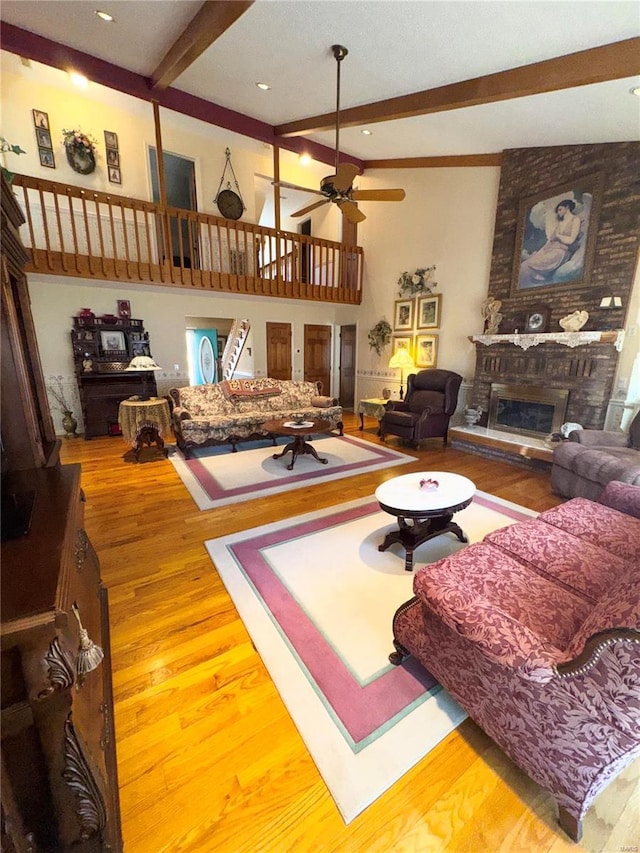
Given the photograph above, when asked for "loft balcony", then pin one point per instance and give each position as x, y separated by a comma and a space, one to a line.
72, 231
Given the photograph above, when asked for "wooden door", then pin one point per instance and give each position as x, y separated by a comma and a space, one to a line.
279, 350
347, 366
317, 355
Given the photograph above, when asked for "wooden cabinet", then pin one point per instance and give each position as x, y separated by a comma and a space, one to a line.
59, 775
102, 350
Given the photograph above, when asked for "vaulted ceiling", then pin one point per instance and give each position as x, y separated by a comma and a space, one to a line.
427, 78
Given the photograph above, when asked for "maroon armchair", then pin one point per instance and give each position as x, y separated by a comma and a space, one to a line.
425, 412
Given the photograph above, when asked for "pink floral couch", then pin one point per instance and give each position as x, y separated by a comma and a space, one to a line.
236, 409
536, 633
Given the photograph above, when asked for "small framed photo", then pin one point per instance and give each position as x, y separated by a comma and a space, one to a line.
113, 341
124, 309
113, 157
46, 158
114, 175
537, 319
140, 348
429, 311
403, 315
399, 342
426, 350
110, 139
40, 119
44, 138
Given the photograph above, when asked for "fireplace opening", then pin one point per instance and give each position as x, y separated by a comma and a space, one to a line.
527, 410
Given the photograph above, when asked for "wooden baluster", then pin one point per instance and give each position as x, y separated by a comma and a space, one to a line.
100, 237
116, 270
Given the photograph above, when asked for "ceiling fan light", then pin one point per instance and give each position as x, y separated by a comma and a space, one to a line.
305, 158
264, 86
104, 16
366, 132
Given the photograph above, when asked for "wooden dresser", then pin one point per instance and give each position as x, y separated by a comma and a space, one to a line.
59, 775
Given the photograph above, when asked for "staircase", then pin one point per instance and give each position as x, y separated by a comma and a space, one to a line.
233, 349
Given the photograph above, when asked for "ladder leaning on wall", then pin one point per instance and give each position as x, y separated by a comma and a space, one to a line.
234, 346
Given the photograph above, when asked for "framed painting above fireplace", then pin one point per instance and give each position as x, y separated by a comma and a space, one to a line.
556, 236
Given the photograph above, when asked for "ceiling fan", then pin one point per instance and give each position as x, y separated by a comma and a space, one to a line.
338, 188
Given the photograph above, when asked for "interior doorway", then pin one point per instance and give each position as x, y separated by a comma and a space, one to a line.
317, 355
278, 350
347, 366
180, 183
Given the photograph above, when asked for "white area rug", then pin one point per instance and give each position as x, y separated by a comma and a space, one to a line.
222, 477
318, 598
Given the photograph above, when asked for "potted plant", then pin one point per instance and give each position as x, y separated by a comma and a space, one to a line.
69, 423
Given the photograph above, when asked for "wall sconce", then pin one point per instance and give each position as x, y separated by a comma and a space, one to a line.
611, 302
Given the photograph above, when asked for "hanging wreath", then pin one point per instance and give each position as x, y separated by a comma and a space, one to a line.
80, 149
379, 336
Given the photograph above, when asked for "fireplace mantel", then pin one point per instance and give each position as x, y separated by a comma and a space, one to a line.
568, 339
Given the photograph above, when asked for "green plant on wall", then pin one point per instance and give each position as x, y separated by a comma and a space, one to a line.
8, 148
417, 283
379, 336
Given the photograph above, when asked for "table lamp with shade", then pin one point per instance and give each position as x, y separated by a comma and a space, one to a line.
403, 361
143, 364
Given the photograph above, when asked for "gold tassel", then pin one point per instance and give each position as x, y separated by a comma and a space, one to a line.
89, 655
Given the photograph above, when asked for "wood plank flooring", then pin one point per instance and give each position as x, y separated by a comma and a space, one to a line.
208, 757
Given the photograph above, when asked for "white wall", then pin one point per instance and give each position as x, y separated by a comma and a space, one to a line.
446, 219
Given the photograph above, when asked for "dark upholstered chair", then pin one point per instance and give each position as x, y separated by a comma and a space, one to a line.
425, 412
591, 458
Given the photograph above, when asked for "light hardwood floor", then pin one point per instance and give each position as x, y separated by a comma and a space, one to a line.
208, 757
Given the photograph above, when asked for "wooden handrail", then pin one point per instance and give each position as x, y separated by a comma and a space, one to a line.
73, 231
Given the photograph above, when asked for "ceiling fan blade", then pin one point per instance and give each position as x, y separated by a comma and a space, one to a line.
351, 212
309, 208
377, 195
295, 187
344, 176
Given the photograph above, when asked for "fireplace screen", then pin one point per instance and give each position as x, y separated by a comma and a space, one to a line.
527, 410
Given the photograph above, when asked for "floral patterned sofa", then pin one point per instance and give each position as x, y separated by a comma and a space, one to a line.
536, 633
236, 409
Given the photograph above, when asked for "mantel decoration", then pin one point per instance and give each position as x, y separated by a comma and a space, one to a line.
8, 148
379, 336
69, 423
80, 149
417, 283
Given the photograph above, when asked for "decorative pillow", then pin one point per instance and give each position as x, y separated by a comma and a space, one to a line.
235, 389
324, 402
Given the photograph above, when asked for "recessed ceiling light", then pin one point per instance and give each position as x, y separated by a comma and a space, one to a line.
366, 132
305, 158
104, 16
264, 86
78, 79
635, 91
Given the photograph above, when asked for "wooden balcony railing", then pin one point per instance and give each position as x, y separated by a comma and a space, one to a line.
78, 232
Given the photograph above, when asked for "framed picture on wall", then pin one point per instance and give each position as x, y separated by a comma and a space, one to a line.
43, 137
110, 139
114, 175
403, 315
556, 236
46, 158
402, 342
426, 350
40, 119
429, 311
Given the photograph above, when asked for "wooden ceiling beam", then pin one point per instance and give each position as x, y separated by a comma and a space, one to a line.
595, 65
446, 161
212, 19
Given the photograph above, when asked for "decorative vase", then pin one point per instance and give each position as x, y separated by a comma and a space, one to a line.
472, 416
69, 424
86, 313
386, 393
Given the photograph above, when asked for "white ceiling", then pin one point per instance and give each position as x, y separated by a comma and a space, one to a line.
395, 47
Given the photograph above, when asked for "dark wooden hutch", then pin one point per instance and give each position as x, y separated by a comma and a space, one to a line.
59, 786
102, 350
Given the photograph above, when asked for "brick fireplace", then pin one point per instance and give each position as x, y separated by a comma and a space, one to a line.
587, 371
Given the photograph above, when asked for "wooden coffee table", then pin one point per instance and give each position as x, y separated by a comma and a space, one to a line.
430, 510
299, 446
